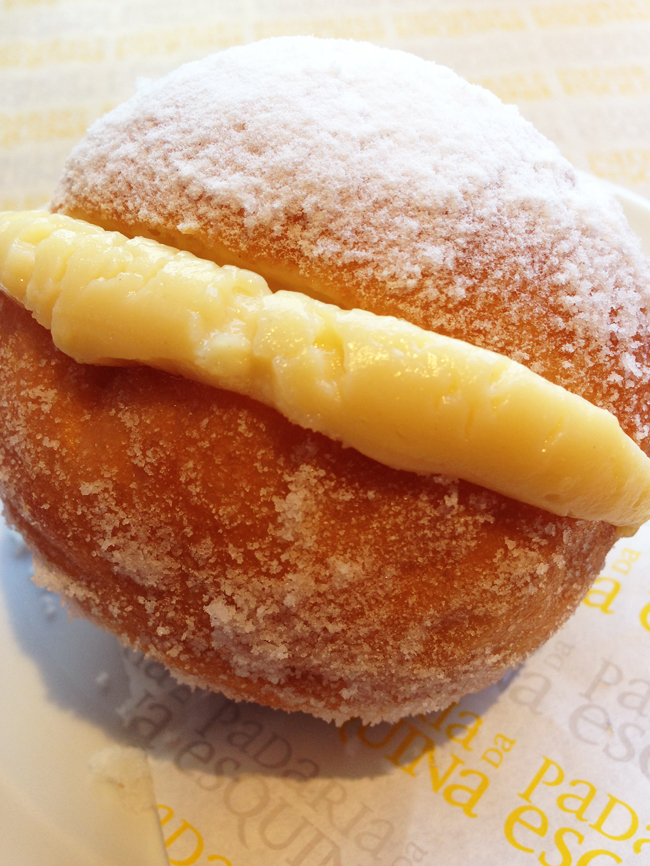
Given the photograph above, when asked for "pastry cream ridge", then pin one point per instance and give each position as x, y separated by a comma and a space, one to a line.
407, 397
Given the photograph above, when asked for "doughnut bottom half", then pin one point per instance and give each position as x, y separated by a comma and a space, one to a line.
264, 561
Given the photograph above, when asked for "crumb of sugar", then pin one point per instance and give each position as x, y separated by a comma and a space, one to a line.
128, 769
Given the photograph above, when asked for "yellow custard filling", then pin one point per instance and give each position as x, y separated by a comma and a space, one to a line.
407, 397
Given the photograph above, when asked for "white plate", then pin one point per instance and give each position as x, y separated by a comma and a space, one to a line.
61, 686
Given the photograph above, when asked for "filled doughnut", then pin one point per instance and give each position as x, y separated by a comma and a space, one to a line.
254, 556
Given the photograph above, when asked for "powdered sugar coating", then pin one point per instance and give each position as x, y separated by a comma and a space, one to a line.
261, 559
231, 545
382, 181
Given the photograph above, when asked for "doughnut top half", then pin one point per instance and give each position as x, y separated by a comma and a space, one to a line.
375, 179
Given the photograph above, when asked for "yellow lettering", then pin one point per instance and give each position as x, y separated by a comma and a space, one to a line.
585, 801
495, 756
408, 741
588, 856
562, 848
475, 794
198, 844
498, 757
437, 781
503, 743
640, 843
214, 857
515, 818
627, 559
168, 816
470, 732
644, 617
412, 734
607, 811
601, 598
540, 777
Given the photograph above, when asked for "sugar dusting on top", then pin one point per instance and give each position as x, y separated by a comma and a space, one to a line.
390, 183
429, 197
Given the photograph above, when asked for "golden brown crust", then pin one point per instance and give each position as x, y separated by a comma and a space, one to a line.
342, 587
256, 557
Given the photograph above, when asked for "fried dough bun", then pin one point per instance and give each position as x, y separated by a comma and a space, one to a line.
252, 556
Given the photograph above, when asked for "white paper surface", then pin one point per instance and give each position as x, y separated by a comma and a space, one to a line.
61, 684
554, 759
